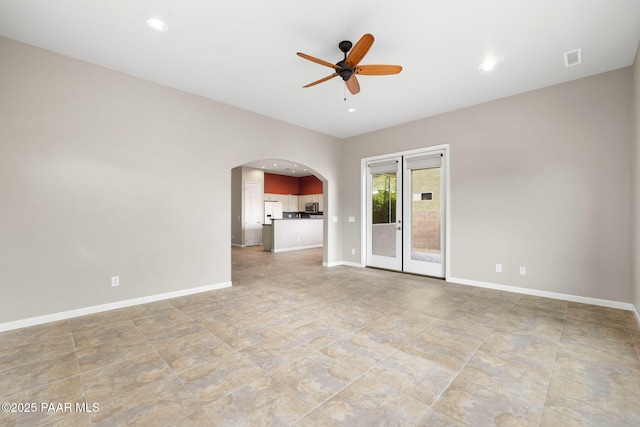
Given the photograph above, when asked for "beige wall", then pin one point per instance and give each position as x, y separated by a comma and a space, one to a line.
540, 180
635, 197
105, 174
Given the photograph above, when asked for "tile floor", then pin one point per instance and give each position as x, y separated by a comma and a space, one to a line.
293, 343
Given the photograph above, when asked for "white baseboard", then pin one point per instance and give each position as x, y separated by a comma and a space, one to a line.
38, 320
338, 263
296, 248
546, 294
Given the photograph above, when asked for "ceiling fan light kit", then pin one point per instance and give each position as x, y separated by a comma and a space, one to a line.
348, 67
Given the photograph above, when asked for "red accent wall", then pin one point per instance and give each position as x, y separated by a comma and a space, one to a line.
280, 184
310, 185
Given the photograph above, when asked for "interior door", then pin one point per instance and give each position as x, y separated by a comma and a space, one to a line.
252, 213
384, 214
424, 213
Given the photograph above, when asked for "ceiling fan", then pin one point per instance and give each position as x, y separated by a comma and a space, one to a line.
348, 67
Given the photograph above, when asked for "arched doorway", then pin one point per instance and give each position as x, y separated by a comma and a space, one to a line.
277, 205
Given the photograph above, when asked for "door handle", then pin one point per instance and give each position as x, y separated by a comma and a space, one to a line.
399, 228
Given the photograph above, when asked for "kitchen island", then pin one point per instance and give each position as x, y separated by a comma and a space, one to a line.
292, 234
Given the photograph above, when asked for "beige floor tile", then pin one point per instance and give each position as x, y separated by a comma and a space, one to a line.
536, 351
358, 351
38, 334
275, 353
493, 372
317, 333
594, 394
108, 353
39, 352
317, 418
221, 376
295, 343
419, 378
262, 402
149, 309
404, 322
437, 419
104, 334
591, 349
37, 374
122, 377
317, 377
68, 390
195, 419
552, 417
497, 406
157, 403
618, 334
205, 348
368, 402
98, 320
158, 322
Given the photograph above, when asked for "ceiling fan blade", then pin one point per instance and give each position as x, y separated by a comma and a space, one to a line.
353, 85
316, 60
359, 50
321, 80
377, 70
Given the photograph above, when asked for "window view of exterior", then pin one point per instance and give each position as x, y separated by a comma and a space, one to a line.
425, 215
383, 208
384, 198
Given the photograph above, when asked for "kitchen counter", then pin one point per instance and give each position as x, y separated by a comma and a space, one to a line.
290, 234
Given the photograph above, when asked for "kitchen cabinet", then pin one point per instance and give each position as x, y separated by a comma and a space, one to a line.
293, 203
311, 198
289, 201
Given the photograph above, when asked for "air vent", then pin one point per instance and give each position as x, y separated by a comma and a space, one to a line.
573, 57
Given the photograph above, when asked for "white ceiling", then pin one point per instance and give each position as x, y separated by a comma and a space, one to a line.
243, 52
281, 167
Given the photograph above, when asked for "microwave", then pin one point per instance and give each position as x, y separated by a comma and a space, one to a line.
311, 207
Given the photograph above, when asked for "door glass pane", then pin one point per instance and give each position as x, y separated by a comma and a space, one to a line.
383, 209
425, 215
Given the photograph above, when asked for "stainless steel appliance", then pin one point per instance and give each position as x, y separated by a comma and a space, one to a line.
312, 207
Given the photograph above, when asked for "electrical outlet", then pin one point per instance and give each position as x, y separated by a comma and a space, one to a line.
353, 251
523, 270
498, 268
115, 281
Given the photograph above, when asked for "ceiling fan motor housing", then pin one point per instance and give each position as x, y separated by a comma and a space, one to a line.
345, 71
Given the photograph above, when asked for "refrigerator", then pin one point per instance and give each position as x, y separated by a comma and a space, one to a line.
272, 210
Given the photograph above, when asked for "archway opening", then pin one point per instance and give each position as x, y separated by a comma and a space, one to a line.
278, 205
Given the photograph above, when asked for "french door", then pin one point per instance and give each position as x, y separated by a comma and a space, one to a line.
406, 212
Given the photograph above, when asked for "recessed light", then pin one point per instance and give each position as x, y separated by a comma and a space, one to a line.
275, 164
157, 25
352, 110
488, 65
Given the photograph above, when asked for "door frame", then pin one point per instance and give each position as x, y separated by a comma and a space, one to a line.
384, 261
446, 150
